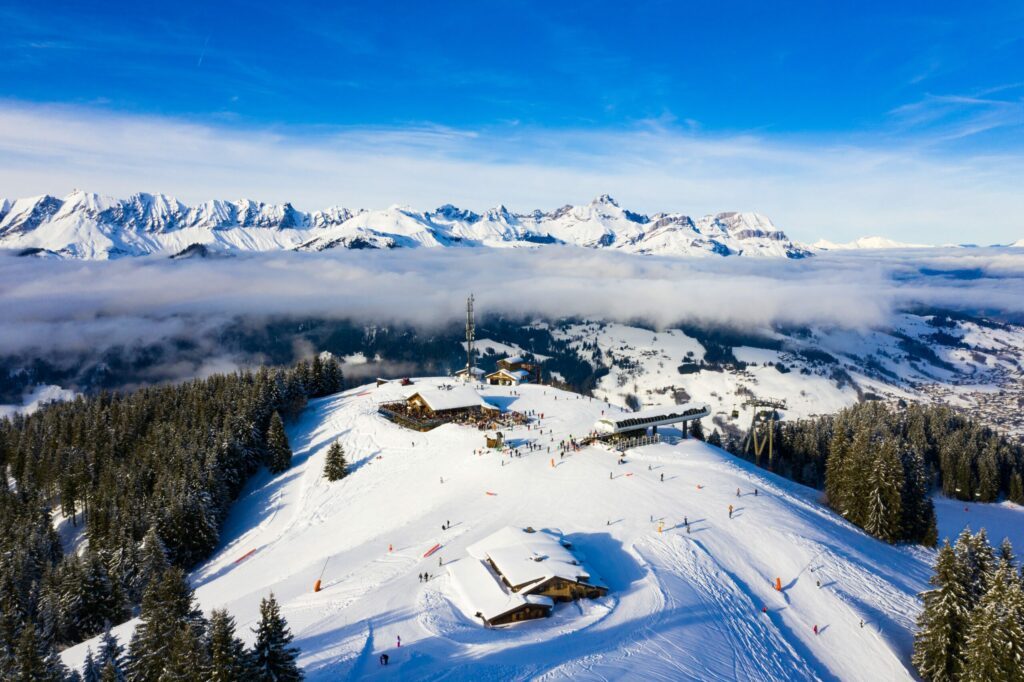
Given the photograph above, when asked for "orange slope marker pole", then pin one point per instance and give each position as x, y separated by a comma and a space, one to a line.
245, 556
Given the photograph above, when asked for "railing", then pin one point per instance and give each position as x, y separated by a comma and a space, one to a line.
624, 444
410, 422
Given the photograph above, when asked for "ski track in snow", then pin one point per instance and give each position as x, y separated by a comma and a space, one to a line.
682, 606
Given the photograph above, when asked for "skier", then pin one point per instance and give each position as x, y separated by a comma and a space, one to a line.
815, 628
383, 659
764, 609
730, 511
755, 492
663, 478
400, 638
609, 475
737, 492
686, 521
440, 561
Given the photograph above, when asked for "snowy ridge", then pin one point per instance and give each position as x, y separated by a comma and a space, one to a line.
866, 243
681, 605
91, 226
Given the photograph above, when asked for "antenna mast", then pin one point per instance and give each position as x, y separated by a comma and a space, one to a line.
470, 337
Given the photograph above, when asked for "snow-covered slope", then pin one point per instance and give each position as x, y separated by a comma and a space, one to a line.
87, 225
1018, 243
682, 606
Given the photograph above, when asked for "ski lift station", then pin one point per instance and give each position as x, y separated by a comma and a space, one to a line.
637, 423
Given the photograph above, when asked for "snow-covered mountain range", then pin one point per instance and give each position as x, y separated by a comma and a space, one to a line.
91, 226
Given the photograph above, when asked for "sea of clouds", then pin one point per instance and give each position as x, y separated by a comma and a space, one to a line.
86, 306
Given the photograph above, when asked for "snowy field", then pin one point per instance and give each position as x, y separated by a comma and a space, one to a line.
986, 378
682, 606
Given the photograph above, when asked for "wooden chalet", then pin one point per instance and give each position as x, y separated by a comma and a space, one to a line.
536, 563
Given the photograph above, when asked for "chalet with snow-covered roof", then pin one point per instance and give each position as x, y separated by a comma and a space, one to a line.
443, 401
506, 377
536, 563
428, 407
489, 600
512, 371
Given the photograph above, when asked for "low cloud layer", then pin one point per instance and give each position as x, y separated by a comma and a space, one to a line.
88, 306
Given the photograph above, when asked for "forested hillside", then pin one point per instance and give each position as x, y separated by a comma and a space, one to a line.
879, 463
148, 477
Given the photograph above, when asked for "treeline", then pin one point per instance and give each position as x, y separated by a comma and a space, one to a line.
173, 641
150, 474
878, 464
972, 624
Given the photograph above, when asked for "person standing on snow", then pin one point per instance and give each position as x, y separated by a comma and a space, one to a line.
730, 511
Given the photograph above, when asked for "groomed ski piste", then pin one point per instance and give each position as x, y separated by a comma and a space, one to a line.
682, 606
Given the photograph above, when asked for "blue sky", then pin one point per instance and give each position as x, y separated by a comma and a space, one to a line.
506, 91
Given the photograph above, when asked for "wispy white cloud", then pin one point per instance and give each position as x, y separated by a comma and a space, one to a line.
812, 187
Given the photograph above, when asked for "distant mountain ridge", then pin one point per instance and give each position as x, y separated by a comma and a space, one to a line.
86, 225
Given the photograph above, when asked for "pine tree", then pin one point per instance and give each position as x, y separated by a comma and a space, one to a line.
938, 644
316, 375
228, 659
91, 670
884, 504
152, 560
274, 657
111, 655
35, 660
994, 646
110, 673
279, 454
836, 472
715, 439
978, 561
335, 467
331, 378
1006, 552
697, 429
167, 606
1016, 489
186, 658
